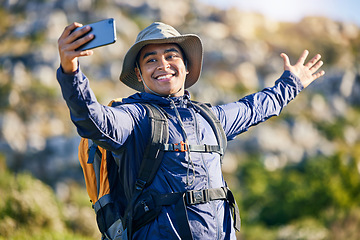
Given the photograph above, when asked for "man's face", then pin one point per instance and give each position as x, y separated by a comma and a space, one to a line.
163, 69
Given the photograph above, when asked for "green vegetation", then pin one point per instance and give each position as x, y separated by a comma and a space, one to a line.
320, 193
29, 209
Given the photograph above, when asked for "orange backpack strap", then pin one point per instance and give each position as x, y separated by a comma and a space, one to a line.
94, 170
88, 170
94, 165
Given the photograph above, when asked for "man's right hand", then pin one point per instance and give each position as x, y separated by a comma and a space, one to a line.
67, 44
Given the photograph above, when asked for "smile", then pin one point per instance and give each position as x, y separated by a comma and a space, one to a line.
164, 77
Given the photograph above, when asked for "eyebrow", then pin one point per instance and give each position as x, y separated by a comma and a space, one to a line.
154, 52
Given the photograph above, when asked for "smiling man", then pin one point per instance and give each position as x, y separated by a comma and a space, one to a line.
161, 65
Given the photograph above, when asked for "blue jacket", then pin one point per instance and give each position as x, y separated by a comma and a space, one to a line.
127, 126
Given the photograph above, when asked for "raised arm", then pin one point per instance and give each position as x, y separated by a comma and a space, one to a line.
109, 127
237, 117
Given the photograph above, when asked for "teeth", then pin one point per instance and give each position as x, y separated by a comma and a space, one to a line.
164, 77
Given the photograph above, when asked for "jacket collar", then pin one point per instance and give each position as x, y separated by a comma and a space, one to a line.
143, 97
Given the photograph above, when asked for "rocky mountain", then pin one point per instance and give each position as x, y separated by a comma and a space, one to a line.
241, 56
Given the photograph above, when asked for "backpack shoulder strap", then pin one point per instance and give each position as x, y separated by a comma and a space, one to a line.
153, 154
86, 155
159, 135
215, 124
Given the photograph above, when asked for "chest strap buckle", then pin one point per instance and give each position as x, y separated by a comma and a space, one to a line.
176, 147
197, 196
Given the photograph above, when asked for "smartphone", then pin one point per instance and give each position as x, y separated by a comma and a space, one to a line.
104, 34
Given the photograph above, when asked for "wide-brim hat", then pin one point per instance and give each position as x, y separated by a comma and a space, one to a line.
159, 33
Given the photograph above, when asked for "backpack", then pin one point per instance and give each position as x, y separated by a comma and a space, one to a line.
103, 185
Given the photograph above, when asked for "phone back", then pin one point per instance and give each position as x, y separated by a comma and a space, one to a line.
104, 32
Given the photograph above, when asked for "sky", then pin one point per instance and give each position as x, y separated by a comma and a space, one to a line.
295, 10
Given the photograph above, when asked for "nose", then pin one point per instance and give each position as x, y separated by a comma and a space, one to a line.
163, 64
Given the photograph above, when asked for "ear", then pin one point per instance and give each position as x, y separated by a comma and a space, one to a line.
137, 72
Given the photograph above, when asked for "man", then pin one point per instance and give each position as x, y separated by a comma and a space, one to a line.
161, 65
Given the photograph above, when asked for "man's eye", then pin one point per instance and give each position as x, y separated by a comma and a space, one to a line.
150, 60
171, 56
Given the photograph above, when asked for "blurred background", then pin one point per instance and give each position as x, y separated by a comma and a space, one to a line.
294, 177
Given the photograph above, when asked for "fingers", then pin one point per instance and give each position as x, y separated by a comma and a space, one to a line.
286, 61
71, 38
67, 31
72, 27
77, 34
69, 41
303, 57
319, 74
317, 66
86, 53
80, 41
76, 39
314, 63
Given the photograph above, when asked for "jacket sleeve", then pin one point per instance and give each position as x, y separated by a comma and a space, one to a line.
107, 126
253, 109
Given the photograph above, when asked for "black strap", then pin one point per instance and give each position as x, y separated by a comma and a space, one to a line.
151, 160
182, 218
192, 197
159, 136
215, 124
234, 210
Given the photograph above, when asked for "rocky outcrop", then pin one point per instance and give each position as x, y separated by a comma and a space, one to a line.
241, 56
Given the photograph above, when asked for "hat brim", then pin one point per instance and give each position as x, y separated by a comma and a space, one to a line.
191, 45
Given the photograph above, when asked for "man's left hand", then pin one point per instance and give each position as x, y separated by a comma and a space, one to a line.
306, 72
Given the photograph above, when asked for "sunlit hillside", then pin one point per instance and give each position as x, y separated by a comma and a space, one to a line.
295, 176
